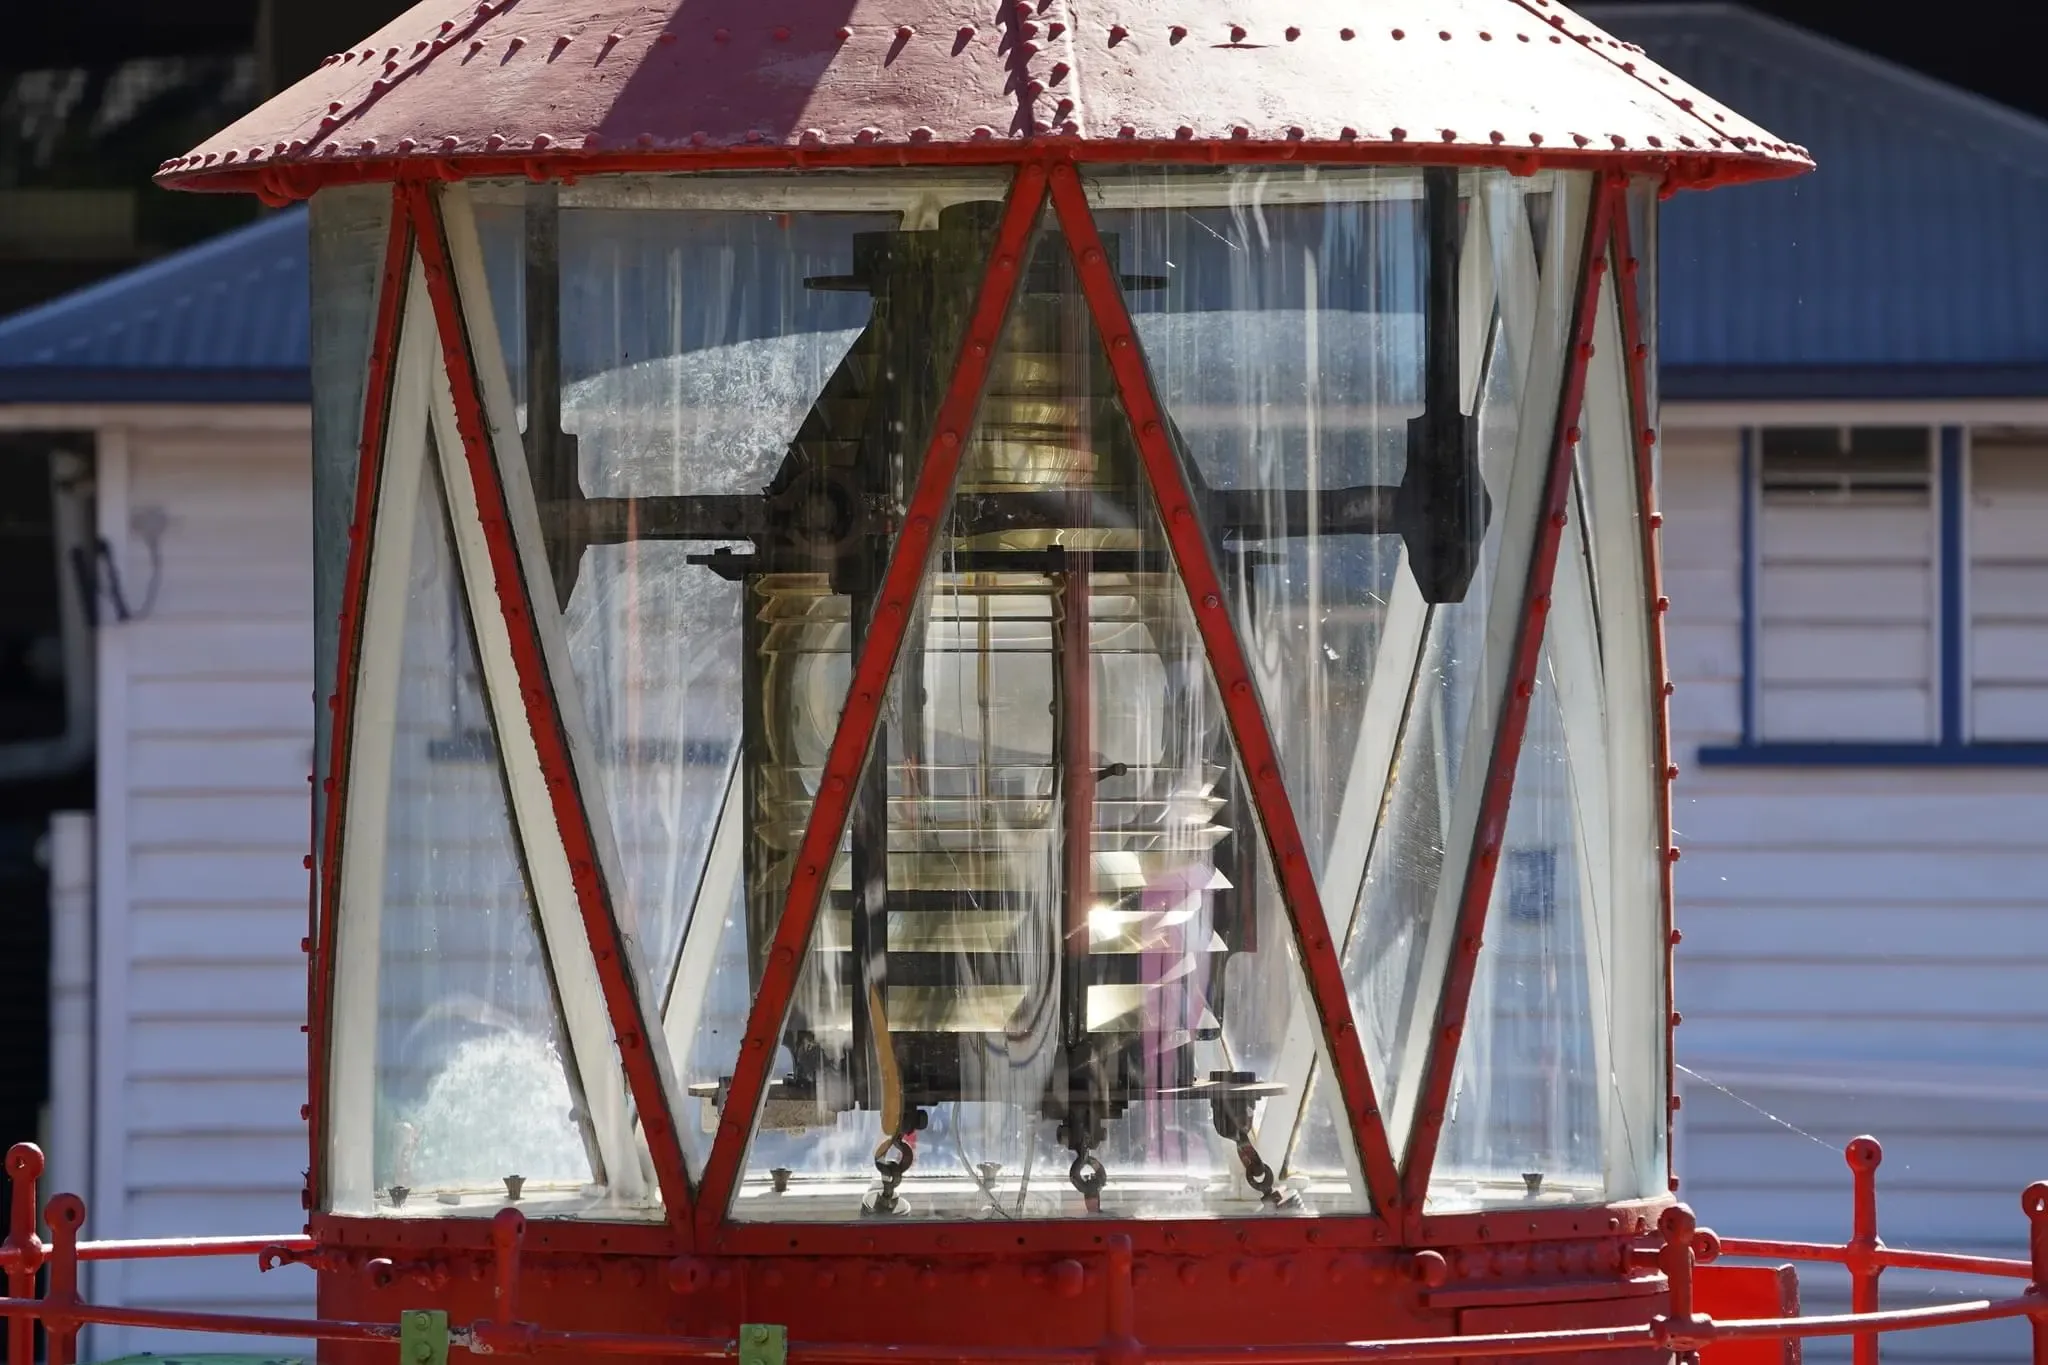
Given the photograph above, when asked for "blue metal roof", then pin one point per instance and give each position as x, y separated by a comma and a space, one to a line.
1912, 263
222, 322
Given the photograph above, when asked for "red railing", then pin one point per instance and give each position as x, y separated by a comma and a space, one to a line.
1682, 1248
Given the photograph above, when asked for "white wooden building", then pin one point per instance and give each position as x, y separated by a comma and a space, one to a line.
181, 897
1855, 463
1855, 468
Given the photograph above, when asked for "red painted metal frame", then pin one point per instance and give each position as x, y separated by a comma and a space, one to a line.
278, 185
377, 384
630, 1031
22, 1252
1255, 747
1449, 1024
1643, 435
1864, 1156
851, 740
1683, 1247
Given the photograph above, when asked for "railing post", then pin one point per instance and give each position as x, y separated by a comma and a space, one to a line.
2035, 1202
65, 1215
22, 1252
1864, 1155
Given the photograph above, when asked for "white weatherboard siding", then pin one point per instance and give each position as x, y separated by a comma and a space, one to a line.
207, 740
1865, 951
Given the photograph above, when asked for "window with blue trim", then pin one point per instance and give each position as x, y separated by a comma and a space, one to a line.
1895, 596
2006, 529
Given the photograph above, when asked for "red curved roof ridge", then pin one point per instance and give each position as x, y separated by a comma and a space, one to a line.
578, 86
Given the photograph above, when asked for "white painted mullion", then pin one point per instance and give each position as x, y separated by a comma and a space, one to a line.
1625, 935
689, 993
358, 957
1477, 292
1573, 642
1519, 512
1515, 278
554, 887
1342, 885
607, 1087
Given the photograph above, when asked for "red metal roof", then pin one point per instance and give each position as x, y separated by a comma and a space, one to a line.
610, 84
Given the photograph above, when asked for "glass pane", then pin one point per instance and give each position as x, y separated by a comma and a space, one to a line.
475, 1089
1627, 926
1523, 1120
655, 641
731, 385
1434, 697
1052, 973
1558, 1092
348, 228
1281, 316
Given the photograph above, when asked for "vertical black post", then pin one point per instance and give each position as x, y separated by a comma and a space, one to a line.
1441, 506
550, 452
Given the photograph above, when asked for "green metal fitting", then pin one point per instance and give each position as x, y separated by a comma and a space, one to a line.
764, 1343
423, 1337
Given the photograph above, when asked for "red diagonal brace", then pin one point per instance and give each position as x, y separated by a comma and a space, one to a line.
543, 715
1255, 747
1449, 1025
327, 876
1643, 438
908, 561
